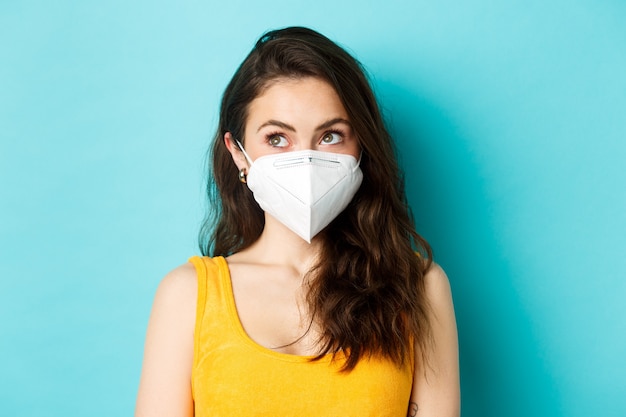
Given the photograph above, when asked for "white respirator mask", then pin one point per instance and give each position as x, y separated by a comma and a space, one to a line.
304, 190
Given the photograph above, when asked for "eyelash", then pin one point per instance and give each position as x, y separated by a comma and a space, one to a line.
336, 131
269, 135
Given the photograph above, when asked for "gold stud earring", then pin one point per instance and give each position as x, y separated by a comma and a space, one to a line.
243, 177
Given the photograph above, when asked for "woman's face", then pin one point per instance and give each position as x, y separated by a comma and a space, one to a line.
293, 115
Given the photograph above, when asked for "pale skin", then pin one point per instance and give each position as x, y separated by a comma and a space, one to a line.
268, 276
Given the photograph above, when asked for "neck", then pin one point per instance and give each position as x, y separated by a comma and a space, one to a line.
278, 245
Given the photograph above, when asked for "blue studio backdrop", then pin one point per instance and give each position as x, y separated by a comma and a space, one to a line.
510, 122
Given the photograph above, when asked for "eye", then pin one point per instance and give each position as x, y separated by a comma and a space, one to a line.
331, 138
277, 141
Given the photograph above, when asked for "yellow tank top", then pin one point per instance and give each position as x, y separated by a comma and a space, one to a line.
234, 376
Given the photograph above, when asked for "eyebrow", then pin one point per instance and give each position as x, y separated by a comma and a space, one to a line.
287, 126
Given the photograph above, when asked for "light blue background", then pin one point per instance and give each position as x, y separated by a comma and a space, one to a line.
510, 119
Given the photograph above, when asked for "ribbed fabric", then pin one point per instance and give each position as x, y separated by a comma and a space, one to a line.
234, 376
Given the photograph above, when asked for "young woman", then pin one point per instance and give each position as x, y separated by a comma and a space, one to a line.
319, 298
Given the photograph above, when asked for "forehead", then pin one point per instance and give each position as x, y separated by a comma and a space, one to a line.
296, 98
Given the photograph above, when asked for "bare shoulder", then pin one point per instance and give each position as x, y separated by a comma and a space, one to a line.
179, 284
437, 285
174, 308
175, 300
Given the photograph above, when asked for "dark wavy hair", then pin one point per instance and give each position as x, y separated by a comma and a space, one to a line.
367, 292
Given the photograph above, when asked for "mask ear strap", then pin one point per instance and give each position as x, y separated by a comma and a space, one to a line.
244, 152
358, 161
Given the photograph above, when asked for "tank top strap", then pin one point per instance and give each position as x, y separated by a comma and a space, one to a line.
211, 302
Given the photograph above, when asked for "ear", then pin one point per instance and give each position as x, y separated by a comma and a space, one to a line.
238, 157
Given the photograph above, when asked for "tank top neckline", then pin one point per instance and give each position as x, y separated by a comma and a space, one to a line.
233, 316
